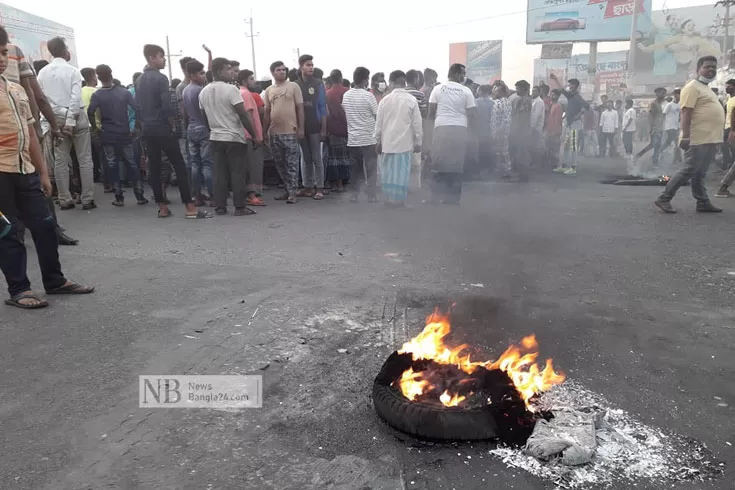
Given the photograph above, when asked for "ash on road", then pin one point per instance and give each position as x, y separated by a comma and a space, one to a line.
630, 303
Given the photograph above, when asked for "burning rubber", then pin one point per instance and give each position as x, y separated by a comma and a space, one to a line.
435, 392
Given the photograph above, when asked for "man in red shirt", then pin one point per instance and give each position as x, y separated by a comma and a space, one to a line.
338, 165
554, 129
254, 170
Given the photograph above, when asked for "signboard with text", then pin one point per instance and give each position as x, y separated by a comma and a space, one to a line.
31, 33
556, 51
556, 21
483, 59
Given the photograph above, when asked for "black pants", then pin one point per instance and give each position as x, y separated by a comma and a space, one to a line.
606, 140
170, 146
230, 162
363, 165
21, 198
446, 187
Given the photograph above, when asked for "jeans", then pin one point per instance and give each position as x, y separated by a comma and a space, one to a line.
184, 149
312, 168
170, 146
230, 161
672, 136
200, 152
81, 138
286, 156
697, 160
628, 142
655, 144
114, 155
363, 162
605, 140
21, 198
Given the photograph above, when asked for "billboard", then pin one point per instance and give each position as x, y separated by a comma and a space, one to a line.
31, 33
667, 53
610, 75
483, 59
556, 21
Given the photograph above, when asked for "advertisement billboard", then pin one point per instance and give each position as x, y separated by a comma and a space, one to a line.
667, 53
31, 33
483, 59
557, 21
610, 73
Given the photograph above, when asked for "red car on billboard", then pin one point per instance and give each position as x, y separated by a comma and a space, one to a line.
561, 24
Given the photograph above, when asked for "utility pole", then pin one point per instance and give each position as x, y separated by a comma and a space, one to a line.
252, 34
168, 59
633, 46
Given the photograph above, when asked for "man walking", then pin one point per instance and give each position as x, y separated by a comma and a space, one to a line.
24, 183
398, 134
156, 116
62, 84
223, 109
702, 120
656, 118
284, 120
361, 111
672, 114
116, 139
608, 128
315, 129
728, 147
629, 129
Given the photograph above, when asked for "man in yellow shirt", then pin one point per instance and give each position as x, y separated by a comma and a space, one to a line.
702, 120
729, 140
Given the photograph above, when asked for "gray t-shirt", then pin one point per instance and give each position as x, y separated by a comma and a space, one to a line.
217, 100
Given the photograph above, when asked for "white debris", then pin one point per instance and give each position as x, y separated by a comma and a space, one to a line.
627, 450
477, 285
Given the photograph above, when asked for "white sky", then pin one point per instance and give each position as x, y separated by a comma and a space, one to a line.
399, 35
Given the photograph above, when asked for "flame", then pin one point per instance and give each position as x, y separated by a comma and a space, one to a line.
518, 361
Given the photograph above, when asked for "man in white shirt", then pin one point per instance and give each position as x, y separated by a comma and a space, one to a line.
538, 118
451, 106
629, 119
62, 84
398, 133
608, 127
672, 113
361, 110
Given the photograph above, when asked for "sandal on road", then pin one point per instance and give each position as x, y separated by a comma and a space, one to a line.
244, 212
255, 201
282, 197
305, 193
167, 215
71, 288
201, 214
16, 301
318, 196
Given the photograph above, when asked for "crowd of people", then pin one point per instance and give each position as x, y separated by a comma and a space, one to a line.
217, 132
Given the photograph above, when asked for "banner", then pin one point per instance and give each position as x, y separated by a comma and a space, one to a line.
556, 51
31, 33
555, 21
611, 71
483, 59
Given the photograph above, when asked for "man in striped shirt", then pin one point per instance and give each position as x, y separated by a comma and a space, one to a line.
361, 110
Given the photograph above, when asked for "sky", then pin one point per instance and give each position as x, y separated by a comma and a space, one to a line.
399, 35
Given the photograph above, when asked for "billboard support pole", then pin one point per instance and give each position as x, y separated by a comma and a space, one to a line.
633, 46
592, 69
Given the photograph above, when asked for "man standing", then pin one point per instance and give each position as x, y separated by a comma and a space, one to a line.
378, 87
629, 129
284, 120
413, 86
451, 106
484, 127
200, 149
538, 115
398, 134
656, 118
576, 105
315, 129
361, 110
156, 117
338, 167
521, 132
62, 84
702, 120
24, 180
608, 128
112, 102
254, 167
729, 143
500, 132
672, 112
554, 129
224, 110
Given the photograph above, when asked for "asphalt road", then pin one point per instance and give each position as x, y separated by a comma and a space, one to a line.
631, 303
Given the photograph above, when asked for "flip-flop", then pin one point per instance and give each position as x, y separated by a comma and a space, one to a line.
201, 214
255, 202
167, 215
244, 212
72, 288
318, 196
14, 301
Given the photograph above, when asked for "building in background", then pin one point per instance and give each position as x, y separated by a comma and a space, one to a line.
32, 32
483, 59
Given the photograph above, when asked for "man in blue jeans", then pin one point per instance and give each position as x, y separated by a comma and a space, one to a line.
200, 149
116, 138
24, 185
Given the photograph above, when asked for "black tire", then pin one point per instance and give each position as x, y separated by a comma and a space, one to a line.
438, 423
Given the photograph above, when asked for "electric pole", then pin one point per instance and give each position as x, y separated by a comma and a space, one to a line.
168, 59
633, 46
252, 34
